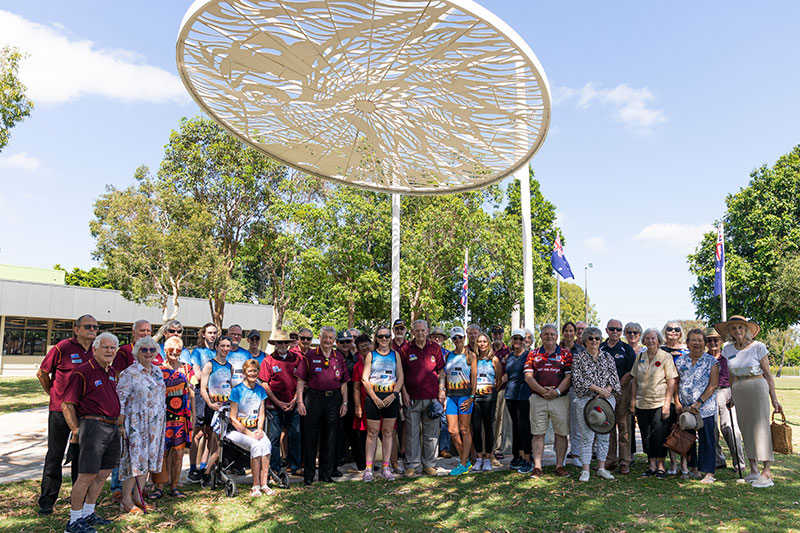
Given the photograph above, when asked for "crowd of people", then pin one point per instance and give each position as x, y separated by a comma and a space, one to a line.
131, 411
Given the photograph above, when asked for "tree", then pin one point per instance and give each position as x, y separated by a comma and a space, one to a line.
233, 183
779, 342
762, 243
94, 277
14, 104
573, 307
153, 242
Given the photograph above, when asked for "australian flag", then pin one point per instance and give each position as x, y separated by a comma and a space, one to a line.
464, 283
559, 261
720, 263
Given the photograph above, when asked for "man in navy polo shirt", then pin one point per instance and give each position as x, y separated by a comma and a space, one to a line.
53, 374
91, 409
624, 358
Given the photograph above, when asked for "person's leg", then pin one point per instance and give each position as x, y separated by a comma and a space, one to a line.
559, 415
387, 431
477, 427
513, 413
489, 409
373, 429
658, 434
274, 427
586, 434
79, 494
614, 440
57, 440
430, 437
561, 449
444, 434
455, 432
329, 434
575, 441
730, 429
175, 467
707, 460
499, 417
465, 431
537, 450
413, 449
311, 434
294, 444
622, 411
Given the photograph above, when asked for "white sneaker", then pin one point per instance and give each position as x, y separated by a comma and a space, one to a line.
752, 476
487, 465
763, 482
479, 465
605, 474
584, 475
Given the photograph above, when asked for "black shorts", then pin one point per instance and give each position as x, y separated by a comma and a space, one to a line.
200, 409
373, 413
99, 446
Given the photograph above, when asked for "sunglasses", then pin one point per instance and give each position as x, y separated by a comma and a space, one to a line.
383, 336
629, 333
305, 338
327, 362
598, 339
614, 329
458, 336
676, 330
148, 350
175, 330
713, 339
282, 342
399, 328
344, 342
517, 338
90, 326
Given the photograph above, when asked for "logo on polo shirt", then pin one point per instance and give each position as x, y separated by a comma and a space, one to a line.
412, 357
318, 369
98, 382
76, 358
337, 372
111, 378
433, 359
276, 368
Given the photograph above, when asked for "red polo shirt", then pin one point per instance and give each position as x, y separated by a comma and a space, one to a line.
312, 370
59, 362
124, 358
93, 390
421, 368
549, 370
278, 375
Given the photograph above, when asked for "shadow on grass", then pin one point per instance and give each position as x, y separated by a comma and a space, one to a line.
17, 394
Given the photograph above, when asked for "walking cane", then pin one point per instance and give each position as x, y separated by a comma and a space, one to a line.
135, 478
735, 450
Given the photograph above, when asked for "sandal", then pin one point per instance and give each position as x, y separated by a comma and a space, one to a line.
661, 474
156, 494
176, 493
255, 492
708, 480
648, 473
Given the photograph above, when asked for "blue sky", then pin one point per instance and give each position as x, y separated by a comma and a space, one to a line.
659, 111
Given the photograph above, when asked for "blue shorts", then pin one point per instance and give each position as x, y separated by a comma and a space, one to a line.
454, 403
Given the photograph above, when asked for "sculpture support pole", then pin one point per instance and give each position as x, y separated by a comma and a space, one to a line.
395, 257
527, 259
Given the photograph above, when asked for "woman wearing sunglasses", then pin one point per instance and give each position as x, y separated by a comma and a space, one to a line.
141, 393
461, 373
382, 379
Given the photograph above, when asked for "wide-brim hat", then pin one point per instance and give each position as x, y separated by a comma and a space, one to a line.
711, 332
722, 327
279, 335
689, 420
599, 415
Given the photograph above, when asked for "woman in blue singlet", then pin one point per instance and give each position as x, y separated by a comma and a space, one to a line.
382, 380
215, 386
460, 378
489, 373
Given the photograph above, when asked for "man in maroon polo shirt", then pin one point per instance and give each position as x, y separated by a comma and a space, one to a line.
304, 338
548, 372
54, 374
399, 330
502, 420
91, 409
321, 398
423, 367
278, 379
124, 357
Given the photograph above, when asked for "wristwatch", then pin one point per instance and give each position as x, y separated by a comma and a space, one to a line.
558, 391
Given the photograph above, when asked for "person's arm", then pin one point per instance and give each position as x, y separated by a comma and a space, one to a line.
401, 381
713, 382
235, 422
343, 391
764, 362
71, 417
44, 380
564, 385
204, 387
533, 384
633, 395
301, 407
473, 381
671, 387
258, 434
676, 396
499, 375
274, 399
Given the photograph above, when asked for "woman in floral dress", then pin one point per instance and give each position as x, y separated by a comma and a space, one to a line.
141, 393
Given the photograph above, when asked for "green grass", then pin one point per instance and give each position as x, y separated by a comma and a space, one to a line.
500, 501
17, 394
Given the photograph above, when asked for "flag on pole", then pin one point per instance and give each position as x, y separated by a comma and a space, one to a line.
720, 263
559, 261
464, 283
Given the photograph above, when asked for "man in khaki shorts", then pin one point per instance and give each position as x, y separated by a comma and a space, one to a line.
548, 372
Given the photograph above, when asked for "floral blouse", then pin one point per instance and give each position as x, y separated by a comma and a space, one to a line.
694, 380
587, 372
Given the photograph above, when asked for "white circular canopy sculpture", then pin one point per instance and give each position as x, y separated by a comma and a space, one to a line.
407, 96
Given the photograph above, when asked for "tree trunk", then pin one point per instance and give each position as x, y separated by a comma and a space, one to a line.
175, 303
780, 367
351, 313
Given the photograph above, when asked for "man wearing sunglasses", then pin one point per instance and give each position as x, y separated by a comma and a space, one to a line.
278, 379
304, 338
238, 355
619, 448
53, 374
399, 330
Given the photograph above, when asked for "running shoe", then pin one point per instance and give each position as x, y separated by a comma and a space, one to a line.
469, 466
387, 474
526, 467
605, 474
478, 465
487, 465
194, 475
516, 462
459, 470
94, 520
585, 475
79, 526
367, 475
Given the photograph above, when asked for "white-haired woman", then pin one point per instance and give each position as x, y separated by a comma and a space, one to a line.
141, 393
752, 390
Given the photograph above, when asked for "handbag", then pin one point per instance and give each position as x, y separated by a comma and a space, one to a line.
781, 435
679, 441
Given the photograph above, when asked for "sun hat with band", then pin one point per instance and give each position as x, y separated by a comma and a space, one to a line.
723, 327
689, 420
599, 415
712, 333
279, 335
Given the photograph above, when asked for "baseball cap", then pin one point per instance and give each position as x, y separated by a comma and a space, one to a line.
497, 329
344, 335
399, 322
458, 330
254, 333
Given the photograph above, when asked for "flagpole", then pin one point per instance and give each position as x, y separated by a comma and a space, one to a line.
466, 293
558, 300
724, 297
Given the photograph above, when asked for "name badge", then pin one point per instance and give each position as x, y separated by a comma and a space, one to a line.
317, 361
457, 369
226, 386
76, 358
641, 360
276, 369
112, 378
98, 383
337, 372
412, 357
318, 369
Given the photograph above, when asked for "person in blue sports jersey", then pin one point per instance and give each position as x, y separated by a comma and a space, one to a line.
238, 355
215, 386
489, 372
254, 346
382, 379
438, 336
247, 418
202, 354
461, 372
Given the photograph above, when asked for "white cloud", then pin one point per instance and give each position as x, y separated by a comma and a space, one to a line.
632, 107
60, 68
21, 161
682, 238
596, 245
561, 219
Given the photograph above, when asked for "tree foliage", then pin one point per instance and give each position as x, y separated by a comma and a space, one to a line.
95, 277
762, 249
573, 306
14, 104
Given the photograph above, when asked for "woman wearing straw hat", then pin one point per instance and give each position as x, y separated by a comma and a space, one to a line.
594, 376
752, 389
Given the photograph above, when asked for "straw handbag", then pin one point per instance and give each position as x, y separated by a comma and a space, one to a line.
781, 435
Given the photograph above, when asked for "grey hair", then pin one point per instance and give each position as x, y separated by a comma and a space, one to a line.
474, 326
329, 329
167, 325
614, 320
664, 330
423, 322
144, 342
104, 335
305, 329
139, 322
632, 325
590, 331
171, 341
656, 331
528, 332
549, 326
